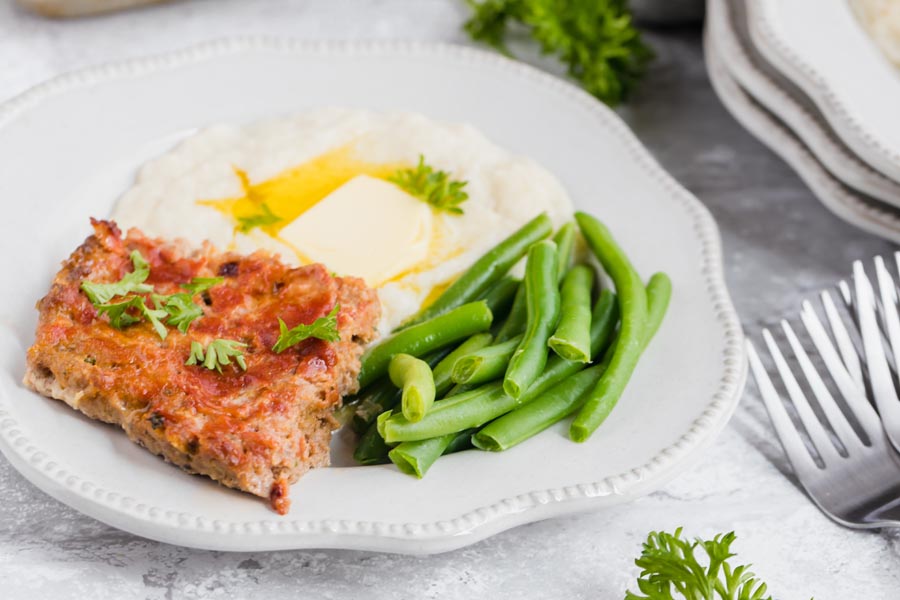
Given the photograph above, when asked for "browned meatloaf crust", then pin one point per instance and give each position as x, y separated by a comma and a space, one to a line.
257, 430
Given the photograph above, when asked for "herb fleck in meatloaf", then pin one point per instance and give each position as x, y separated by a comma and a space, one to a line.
257, 430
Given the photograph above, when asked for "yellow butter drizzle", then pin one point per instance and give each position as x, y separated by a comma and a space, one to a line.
294, 191
297, 189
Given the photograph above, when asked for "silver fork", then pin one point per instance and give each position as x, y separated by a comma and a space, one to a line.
880, 339
857, 479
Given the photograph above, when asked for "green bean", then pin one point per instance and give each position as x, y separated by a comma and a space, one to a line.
545, 410
604, 319
565, 248
371, 448
447, 416
603, 398
374, 400
603, 322
462, 441
415, 458
572, 339
458, 389
486, 270
500, 297
542, 302
384, 395
443, 370
476, 407
414, 377
486, 364
518, 313
516, 319
659, 292
455, 325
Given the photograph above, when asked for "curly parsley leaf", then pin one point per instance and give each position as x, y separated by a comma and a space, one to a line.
181, 310
670, 569
131, 283
323, 328
120, 317
261, 219
196, 356
434, 187
595, 39
118, 314
178, 309
198, 285
155, 317
218, 354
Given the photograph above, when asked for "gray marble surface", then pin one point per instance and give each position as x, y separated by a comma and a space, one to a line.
780, 245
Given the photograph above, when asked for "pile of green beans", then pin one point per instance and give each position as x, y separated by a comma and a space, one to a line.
495, 360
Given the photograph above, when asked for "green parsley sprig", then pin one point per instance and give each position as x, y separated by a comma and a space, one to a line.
120, 318
218, 354
595, 39
178, 310
434, 187
198, 285
323, 328
131, 283
671, 569
180, 307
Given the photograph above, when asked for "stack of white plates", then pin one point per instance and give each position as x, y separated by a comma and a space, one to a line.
805, 78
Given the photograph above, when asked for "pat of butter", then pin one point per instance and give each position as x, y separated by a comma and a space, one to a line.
367, 228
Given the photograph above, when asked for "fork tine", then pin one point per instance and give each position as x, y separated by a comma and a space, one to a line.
842, 338
897, 260
791, 441
850, 303
876, 361
845, 293
811, 423
839, 423
853, 393
889, 305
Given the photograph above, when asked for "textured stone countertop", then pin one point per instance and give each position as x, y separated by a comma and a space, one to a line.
780, 245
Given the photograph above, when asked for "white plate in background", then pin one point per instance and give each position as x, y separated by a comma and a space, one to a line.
857, 209
820, 46
76, 142
728, 26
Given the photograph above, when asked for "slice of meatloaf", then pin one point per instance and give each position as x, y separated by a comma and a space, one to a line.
257, 430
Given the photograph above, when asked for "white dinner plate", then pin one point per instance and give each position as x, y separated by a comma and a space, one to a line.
727, 23
822, 48
855, 208
72, 145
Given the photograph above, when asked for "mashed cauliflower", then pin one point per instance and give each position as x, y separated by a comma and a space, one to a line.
175, 195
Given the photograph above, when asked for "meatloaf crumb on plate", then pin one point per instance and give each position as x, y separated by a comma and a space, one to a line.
257, 430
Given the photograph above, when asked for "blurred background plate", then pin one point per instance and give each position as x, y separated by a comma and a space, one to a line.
728, 25
821, 47
855, 208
